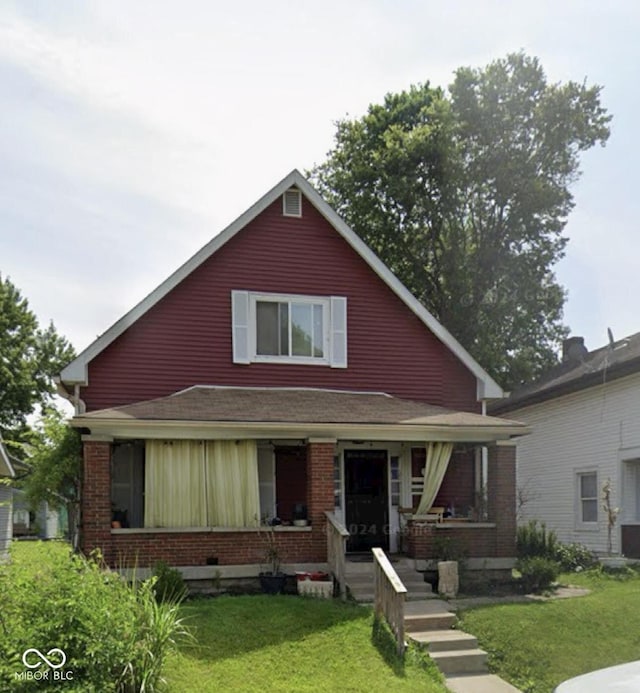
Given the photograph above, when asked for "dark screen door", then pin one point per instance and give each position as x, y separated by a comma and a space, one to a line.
366, 499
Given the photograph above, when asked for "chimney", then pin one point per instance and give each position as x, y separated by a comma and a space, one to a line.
573, 350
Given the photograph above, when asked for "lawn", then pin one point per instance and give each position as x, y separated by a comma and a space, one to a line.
535, 646
244, 643
260, 643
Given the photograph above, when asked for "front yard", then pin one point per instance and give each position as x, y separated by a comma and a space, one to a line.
111, 636
284, 644
537, 645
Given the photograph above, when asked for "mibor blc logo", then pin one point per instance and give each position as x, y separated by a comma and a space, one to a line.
44, 667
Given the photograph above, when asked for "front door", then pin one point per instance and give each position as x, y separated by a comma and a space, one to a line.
366, 499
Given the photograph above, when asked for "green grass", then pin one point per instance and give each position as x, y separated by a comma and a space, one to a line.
535, 646
290, 644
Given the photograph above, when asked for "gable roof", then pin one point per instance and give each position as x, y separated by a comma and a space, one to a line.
76, 372
267, 411
616, 360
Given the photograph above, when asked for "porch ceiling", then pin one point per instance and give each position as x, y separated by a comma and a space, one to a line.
231, 412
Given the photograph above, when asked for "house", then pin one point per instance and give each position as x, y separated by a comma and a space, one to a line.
584, 417
7, 473
284, 374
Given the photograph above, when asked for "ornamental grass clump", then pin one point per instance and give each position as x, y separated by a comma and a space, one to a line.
114, 636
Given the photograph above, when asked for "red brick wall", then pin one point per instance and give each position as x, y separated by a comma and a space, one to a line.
230, 548
480, 542
95, 511
501, 493
320, 496
474, 542
185, 548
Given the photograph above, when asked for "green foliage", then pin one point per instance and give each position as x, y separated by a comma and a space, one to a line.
574, 557
115, 636
538, 573
533, 539
169, 585
31, 356
54, 453
465, 194
448, 549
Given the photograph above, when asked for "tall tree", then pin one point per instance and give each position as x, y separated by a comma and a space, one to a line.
29, 358
465, 194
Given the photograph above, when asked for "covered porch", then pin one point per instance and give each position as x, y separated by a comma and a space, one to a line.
194, 479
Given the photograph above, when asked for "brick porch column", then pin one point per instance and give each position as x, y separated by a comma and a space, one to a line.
95, 510
501, 494
320, 454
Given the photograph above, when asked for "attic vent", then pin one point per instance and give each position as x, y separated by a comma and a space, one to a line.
292, 203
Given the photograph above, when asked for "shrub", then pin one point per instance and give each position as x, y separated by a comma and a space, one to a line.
534, 540
575, 557
115, 636
538, 573
169, 585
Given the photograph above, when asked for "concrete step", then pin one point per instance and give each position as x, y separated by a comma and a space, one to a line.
450, 662
420, 622
445, 640
427, 615
479, 683
360, 582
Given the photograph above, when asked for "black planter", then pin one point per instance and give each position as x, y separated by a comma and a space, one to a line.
272, 584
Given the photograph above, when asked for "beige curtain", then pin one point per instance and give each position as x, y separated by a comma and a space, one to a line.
232, 483
174, 484
438, 456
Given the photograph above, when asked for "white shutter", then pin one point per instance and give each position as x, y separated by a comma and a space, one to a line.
240, 329
338, 332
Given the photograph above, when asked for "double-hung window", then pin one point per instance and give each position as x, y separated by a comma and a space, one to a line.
282, 328
587, 498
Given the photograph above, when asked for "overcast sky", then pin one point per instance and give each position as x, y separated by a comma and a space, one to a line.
131, 133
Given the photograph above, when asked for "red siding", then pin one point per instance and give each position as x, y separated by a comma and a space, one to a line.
185, 339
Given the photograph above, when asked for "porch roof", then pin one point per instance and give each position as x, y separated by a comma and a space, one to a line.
301, 412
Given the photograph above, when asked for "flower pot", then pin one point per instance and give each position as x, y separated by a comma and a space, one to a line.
272, 584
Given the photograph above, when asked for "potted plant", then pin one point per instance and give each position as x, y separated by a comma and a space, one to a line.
273, 579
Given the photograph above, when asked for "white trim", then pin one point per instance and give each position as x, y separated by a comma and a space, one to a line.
76, 371
579, 524
6, 462
230, 430
323, 301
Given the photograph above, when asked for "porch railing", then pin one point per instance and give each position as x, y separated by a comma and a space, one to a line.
337, 536
390, 596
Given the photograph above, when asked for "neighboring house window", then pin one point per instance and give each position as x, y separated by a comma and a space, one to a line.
278, 328
588, 497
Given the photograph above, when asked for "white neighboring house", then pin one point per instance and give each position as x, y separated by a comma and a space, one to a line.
584, 417
6, 495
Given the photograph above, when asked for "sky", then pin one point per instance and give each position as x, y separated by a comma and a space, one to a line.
131, 133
